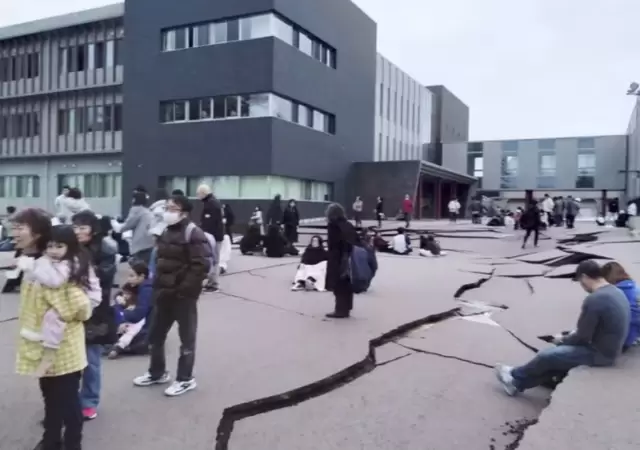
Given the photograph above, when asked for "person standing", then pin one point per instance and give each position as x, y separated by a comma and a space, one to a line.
60, 371
454, 210
530, 222
407, 210
58, 203
182, 265
157, 209
600, 334
139, 221
228, 219
342, 237
358, 206
291, 220
274, 214
572, 210
212, 223
100, 329
379, 211
547, 208
558, 211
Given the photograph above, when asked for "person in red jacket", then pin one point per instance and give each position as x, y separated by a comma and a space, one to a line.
407, 210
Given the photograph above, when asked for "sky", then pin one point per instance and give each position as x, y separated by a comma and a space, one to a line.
525, 68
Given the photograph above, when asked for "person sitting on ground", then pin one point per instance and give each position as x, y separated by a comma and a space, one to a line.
275, 243
380, 244
615, 274
133, 310
602, 329
312, 270
401, 244
429, 246
251, 242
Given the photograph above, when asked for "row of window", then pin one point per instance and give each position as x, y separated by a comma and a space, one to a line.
253, 187
20, 186
93, 185
585, 143
86, 119
17, 67
243, 106
407, 115
391, 149
21, 125
81, 57
254, 27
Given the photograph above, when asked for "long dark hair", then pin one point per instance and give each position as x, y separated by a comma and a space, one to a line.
78, 258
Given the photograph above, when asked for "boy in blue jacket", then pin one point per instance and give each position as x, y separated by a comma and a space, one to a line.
132, 310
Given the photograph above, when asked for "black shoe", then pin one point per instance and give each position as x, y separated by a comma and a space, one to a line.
211, 289
337, 315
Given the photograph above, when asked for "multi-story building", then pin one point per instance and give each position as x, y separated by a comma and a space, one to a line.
258, 98
61, 114
587, 167
402, 115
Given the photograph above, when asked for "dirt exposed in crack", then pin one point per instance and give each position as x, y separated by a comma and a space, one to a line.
293, 397
516, 429
469, 286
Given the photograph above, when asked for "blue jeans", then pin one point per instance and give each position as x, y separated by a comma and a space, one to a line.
92, 378
549, 363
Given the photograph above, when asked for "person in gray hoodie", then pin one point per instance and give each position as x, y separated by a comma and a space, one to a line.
71, 204
572, 210
139, 222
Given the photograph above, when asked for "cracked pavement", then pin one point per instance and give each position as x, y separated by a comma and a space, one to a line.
410, 370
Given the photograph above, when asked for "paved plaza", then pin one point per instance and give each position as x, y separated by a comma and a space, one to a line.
411, 370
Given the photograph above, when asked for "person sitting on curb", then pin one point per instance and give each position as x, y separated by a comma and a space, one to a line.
401, 244
597, 341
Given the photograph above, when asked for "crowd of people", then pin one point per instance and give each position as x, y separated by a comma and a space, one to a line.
69, 319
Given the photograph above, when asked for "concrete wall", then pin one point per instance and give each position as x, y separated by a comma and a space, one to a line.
633, 139
391, 180
259, 146
454, 157
450, 121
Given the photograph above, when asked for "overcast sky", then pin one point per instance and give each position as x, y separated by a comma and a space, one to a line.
526, 68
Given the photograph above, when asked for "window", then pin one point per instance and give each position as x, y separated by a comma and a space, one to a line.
173, 111
511, 146
233, 30
381, 102
93, 185
99, 55
547, 164
202, 35
305, 44
258, 105
219, 111
509, 171
318, 121
180, 41
33, 65
305, 115
219, 33
282, 108
586, 143
586, 170
475, 147
231, 106
546, 144
25, 186
255, 27
111, 53
283, 30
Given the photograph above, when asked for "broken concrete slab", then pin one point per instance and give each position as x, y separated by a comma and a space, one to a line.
429, 397
629, 251
553, 307
482, 269
499, 292
543, 257
467, 340
565, 271
576, 420
521, 270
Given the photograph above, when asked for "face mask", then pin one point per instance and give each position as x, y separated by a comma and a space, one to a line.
171, 217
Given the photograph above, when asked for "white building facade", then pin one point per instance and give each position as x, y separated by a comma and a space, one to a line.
402, 116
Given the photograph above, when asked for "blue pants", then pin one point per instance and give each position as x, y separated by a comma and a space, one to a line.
92, 378
551, 362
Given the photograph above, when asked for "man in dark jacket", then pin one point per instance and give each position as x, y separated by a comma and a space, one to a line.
572, 209
530, 221
183, 255
211, 222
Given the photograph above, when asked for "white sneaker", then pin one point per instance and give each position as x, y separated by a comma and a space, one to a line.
180, 387
296, 287
147, 380
503, 373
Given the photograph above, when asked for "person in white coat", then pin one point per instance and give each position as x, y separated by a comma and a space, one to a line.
547, 209
454, 209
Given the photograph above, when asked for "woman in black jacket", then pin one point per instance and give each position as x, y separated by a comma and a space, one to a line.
229, 219
531, 222
274, 214
100, 329
342, 236
291, 220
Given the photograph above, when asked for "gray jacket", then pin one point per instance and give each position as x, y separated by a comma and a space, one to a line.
572, 208
139, 221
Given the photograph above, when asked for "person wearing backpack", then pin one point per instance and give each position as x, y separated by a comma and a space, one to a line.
184, 257
342, 237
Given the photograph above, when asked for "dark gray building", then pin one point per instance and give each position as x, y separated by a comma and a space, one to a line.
257, 98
